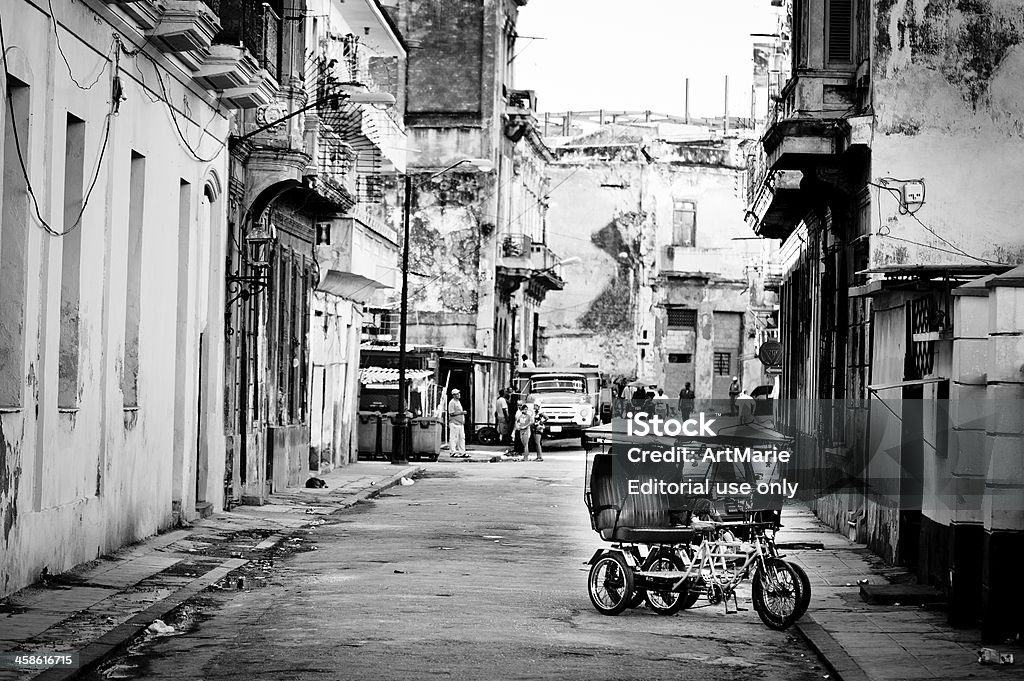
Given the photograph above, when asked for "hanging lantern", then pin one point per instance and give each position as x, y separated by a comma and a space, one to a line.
259, 242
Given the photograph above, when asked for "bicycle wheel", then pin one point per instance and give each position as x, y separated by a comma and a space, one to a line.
610, 584
805, 590
775, 592
666, 602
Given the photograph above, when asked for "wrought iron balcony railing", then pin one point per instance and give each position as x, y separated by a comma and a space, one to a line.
255, 25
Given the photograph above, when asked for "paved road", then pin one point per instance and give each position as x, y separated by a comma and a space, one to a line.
475, 572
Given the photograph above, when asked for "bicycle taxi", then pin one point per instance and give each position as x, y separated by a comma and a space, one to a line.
684, 520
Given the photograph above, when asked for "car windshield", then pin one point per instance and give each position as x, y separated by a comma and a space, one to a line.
558, 384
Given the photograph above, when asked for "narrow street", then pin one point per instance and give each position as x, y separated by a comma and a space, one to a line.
476, 571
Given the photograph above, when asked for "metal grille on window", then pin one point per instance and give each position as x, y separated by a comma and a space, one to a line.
722, 363
681, 317
921, 353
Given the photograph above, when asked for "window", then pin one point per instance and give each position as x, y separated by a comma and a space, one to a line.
681, 318
13, 235
839, 41
133, 302
723, 363
680, 358
684, 223
71, 263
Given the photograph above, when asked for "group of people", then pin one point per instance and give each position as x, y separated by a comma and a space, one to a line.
637, 398
519, 425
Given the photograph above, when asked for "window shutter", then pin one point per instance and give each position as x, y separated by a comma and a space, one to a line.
840, 31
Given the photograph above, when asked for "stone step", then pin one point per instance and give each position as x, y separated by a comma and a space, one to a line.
904, 594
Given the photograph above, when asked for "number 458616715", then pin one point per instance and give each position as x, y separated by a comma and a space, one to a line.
42, 660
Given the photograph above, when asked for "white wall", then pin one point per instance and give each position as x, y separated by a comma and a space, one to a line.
83, 481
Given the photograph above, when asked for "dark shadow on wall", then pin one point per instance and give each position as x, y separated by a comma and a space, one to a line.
611, 309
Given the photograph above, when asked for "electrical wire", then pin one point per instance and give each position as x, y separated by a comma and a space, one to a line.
21, 157
904, 211
165, 97
56, 37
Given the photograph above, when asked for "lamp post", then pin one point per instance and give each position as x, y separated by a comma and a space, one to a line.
401, 443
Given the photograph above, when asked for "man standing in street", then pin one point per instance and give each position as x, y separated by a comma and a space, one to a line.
512, 398
734, 392
501, 415
456, 427
686, 398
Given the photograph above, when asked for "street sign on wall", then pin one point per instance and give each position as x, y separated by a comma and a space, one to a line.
770, 354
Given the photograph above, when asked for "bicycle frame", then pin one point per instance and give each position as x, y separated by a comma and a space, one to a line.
713, 555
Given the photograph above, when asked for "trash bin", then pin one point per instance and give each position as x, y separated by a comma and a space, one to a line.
426, 438
368, 435
387, 434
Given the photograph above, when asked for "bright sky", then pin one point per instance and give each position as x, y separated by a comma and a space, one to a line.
636, 54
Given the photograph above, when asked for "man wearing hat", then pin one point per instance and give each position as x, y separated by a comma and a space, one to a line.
456, 427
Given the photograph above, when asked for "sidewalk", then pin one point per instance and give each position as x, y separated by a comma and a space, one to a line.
99, 606
877, 642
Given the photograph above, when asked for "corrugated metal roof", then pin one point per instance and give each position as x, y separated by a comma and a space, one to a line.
378, 375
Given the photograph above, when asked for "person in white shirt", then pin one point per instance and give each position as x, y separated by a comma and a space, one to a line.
527, 363
456, 427
501, 415
524, 428
745, 405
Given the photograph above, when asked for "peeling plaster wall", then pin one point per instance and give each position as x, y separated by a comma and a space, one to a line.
609, 201
334, 336
81, 483
948, 81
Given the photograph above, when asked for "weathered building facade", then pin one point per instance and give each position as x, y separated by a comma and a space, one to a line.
113, 243
479, 263
887, 174
668, 290
306, 175
351, 146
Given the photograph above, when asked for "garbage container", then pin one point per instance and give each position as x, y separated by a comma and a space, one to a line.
368, 435
387, 434
426, 438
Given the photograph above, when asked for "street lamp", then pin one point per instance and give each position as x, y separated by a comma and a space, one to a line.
401, 443
259, 244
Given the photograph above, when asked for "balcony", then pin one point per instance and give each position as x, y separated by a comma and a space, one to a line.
336, 164
357, 256
146, 13
227, 67
521, 260
186, 29
520, 102
377, 135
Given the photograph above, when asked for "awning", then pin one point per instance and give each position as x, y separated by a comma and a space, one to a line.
385, 375
906, 384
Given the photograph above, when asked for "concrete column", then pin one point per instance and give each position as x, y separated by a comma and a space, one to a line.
1003, 504
967, 408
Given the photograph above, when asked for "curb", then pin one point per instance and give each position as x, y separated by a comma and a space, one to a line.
114, 641
353, 499
828, 650
94, 652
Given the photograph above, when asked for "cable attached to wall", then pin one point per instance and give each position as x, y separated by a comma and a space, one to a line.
115, 85
56, 37
165, 98
885, 231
